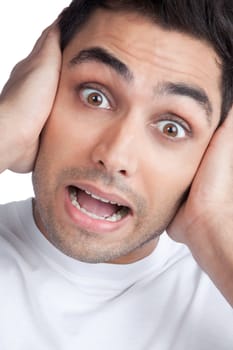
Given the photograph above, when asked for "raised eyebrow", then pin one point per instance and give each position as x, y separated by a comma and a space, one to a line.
99, 54
194, 92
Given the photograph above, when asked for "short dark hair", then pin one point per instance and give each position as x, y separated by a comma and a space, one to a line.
208, 20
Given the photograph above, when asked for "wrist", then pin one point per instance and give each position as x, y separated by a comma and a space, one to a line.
209, 244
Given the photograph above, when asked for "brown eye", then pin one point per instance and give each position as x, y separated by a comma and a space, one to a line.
94, 98
172, 129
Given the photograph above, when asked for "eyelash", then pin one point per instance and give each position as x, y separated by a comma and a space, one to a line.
96, 86
172, 118
176, 119
166, 118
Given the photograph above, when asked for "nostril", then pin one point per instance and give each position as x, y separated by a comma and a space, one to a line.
122, 172
102, 165
100, 162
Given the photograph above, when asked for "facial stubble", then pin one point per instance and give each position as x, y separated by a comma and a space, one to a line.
88, 246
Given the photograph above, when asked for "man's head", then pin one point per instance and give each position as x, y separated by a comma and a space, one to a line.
137, 105
211, 21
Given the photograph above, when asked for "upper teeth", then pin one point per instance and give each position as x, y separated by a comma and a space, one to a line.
122, 211
101, 199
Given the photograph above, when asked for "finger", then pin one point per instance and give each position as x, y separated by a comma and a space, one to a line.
213, 182
50, 30
229, 119
221, 145
212, 185
51, 41
225, 130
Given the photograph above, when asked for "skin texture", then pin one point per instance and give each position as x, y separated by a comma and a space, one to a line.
26, 102
205, 221
122, 147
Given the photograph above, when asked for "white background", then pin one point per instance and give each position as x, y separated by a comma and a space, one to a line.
21, 23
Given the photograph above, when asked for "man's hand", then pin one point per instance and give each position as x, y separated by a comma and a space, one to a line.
26, 102
205, 221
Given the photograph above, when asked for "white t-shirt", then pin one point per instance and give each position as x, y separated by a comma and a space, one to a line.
51, 301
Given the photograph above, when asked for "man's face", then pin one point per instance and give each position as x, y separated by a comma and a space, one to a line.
135, 110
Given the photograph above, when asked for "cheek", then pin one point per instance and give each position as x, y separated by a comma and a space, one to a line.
168, 174
64, 136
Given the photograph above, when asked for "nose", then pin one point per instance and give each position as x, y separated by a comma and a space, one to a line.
115, 150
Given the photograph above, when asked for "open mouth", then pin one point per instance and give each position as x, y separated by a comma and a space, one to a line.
96, 207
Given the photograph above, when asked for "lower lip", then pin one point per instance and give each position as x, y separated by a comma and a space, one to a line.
84, 221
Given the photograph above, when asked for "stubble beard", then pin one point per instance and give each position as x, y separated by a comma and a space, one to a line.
88, 246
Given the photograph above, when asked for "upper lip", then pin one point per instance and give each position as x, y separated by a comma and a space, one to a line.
111, 197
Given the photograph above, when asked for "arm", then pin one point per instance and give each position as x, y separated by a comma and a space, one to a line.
26, 102
205, 221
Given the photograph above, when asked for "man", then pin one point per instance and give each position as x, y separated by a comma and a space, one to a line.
137, 141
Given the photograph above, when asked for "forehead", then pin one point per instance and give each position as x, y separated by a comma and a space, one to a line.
152, 53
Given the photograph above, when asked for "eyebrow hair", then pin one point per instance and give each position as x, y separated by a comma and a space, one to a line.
99, 54
194, 92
